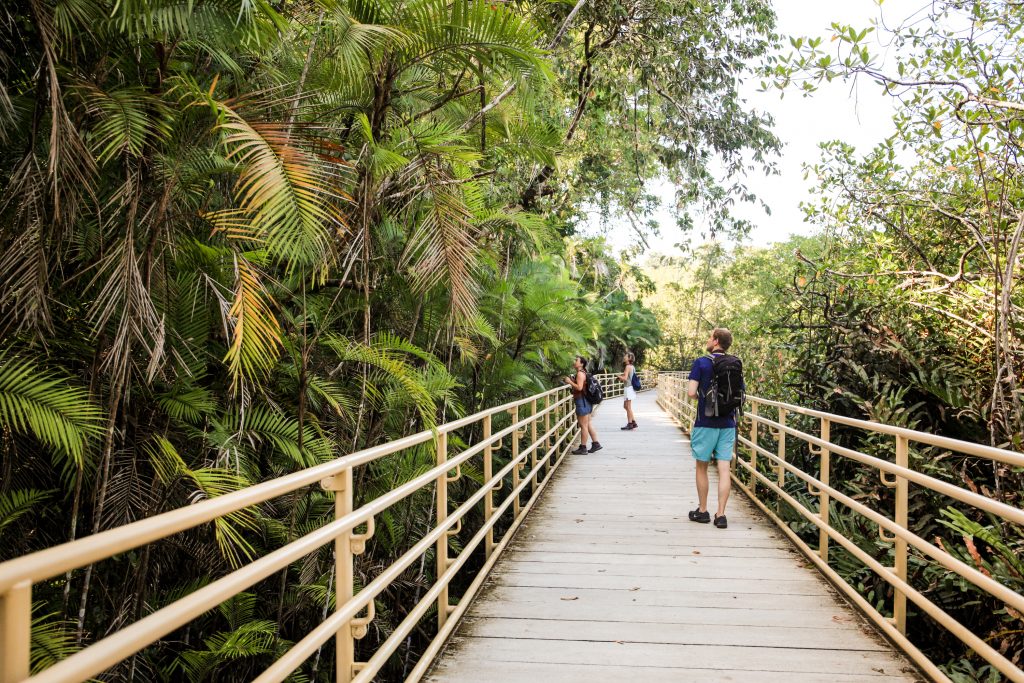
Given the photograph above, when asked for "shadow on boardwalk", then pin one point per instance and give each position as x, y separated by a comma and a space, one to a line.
608, 580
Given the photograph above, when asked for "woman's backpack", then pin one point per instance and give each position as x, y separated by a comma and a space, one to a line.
635, 381
592, 390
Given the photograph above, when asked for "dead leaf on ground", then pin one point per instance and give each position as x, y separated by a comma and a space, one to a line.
580, 520
696, 552
570, 597
635, 588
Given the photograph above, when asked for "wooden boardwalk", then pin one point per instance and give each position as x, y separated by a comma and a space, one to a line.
609, 580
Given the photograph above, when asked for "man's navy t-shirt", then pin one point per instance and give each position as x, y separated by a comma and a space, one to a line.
702, 371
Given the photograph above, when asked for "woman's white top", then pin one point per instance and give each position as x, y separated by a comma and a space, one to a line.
630, 392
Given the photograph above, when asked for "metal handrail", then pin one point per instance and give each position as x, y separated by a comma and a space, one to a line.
613, 387
672, 397
550, 429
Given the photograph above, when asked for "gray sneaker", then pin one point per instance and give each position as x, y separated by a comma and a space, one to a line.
582, 450
595, 447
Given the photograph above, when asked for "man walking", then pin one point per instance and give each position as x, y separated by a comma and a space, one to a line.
716, 381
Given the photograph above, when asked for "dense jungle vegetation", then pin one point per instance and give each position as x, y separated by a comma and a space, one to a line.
905, 306
241, 237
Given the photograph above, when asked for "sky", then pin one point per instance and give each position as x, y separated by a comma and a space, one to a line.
861, 117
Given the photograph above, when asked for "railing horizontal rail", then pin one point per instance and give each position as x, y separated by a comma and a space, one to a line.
896, 530
551, 427
1007, 512
52, 562
965, 447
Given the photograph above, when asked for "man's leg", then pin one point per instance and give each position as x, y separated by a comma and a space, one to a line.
724, 445
724, 485
702, 485
702, 447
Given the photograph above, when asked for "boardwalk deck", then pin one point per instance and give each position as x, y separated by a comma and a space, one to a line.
608, 580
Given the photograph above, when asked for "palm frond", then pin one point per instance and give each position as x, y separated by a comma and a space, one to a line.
47, 406
444, 246
17, 503
289, 198
255, 332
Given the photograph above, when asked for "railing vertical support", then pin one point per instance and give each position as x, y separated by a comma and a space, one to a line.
753, 449
441, 546
899, 610
782, 455
533, 445
15, 632
516, 504
488, 473
823, 497
547, 422
344, 574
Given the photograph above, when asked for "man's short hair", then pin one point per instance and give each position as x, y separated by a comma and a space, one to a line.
723, 336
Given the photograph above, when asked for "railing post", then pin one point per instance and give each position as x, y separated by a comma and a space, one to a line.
15, 632
753, 449
516, 505
488, 473
782, 456
344, 570
547, 421
823, 497
899, 610
533, 445
441, 545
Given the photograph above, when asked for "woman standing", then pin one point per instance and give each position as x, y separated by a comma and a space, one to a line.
583, 407
629, 393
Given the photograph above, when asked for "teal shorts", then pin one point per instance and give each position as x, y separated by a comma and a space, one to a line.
708, 441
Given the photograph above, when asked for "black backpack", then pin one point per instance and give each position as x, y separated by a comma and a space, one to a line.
592, 390
726, 392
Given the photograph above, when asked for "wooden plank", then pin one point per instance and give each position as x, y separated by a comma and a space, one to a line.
670, 633
648, 546
512, 577
613, 601
570, 554
703, 656
609, 580
457, 670
577, 605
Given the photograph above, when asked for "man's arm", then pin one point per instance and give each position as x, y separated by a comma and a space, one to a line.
695, 378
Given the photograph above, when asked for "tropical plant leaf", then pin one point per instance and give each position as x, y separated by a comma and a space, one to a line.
47, 406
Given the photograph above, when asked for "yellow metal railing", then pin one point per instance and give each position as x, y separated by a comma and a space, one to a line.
613, 387
547, 423
897, 474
